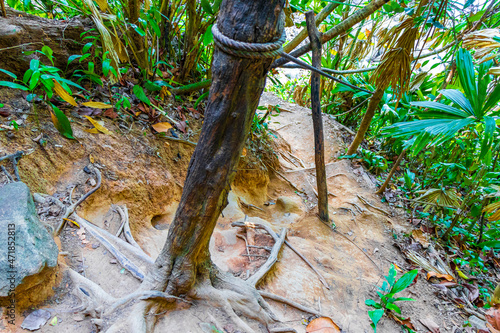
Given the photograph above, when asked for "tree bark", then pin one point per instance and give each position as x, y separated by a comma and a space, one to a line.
21, 32
319, 140
382, 188
2, 5
234, 96
365, 123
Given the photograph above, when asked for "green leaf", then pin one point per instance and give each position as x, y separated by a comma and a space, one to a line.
27, 76
206, 7
403, 299
457, 97
208, 36
404, 281
391, 278
12, 85
87, 47
375, 316
465, 69
216, 5
12, 75
48, 52
372, 303
441, 107
34, 80
493, 243
34, 64
139, 93
493, 99
62, 123
393, 307
489, 129
73, 57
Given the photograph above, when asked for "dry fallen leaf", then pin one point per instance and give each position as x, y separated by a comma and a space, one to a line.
430, 324
162, 127
420, 237
98, 127
63, 93
440, 276
493, 317
97, 105
322, 325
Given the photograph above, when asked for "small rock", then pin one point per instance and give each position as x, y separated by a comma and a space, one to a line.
35, 320
477, 323
92, 182
95, 245
287, 205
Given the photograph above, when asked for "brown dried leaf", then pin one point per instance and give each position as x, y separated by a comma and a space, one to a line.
322, 325
162, 127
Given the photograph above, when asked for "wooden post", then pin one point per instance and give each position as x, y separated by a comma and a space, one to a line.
319, 148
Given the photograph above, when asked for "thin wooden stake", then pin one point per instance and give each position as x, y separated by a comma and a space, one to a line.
319, 149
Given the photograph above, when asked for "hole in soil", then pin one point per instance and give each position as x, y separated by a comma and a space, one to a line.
161, 221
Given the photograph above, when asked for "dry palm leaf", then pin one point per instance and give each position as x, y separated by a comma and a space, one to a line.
106, 37
493, 208
395, 67
484, 43
439, 197
417, 81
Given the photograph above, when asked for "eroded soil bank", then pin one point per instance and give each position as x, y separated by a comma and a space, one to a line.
146, 172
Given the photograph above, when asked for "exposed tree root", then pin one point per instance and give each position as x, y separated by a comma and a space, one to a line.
236, 297
289, 302
69, 210
273, 257
275, 237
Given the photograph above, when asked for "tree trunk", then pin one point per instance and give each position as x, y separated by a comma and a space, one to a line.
382, 189
365, 123
21, 32
234, 96
134, 11
319, 148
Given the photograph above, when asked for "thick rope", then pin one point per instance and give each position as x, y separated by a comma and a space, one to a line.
248, 50
266, 50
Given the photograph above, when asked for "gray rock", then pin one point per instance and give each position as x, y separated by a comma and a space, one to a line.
477, 323
35, 320
26, 247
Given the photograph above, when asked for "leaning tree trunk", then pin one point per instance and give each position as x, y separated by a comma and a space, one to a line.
234, 96
21, 32
367, 119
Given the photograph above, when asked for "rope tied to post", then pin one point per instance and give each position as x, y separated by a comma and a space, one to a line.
266, 50
248, 50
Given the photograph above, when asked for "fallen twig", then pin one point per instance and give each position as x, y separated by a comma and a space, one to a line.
187, 142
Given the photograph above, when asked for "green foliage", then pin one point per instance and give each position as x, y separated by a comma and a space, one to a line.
389, 289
